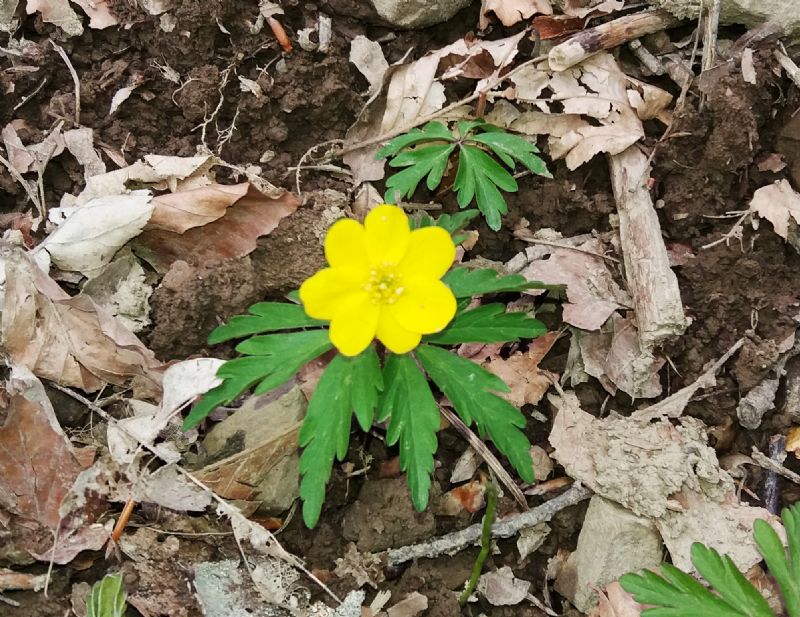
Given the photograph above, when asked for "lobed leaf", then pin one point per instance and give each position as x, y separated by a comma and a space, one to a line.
430, 132
510, 148
479, 177
784, 569
413, 416
429, 160
489, 323
469, 388
465, 283
263, 317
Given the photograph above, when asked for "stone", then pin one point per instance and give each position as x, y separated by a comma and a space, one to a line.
747, 12
417, 13
613, 541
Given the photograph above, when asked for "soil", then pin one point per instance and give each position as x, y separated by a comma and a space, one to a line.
705, 168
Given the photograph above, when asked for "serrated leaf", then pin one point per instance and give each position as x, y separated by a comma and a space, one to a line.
479, 175
428, 160
430, 132
784, 569
489, 323
465, 283
367, 386
263, 317
510, 148
413, 421
107, 597
271, 360
470, 389
325, 434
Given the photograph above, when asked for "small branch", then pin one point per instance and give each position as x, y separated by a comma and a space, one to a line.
611, 34
75, 80
28, 97
765, 462
772, 496
486, 543
527, 236
452, 543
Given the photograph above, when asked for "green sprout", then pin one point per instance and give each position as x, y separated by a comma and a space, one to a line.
479, 145
107, 597
677, 594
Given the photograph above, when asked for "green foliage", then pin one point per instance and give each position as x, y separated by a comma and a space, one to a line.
489, 323
413, 416
479, 176
466, 283
454, 223
271, 360
470, 389
347, 385
677, 594
263, 317
107, 597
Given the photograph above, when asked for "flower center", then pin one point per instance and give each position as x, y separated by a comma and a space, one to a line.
383, 285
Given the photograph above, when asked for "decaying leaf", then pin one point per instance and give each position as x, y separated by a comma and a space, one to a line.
69, 340
80, 143
660, 470
239, 214
793, 441
365, 568
99, 12
510, 12
467, 497
582, 8
33, 157
410, 606
778, 203
502, 588
368, 58
59, 13
92, 234
616, 602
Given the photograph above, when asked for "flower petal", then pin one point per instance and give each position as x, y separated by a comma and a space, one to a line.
396, 338
387, 234
324, 293
346, 245
425, 306
355, 323
430, 254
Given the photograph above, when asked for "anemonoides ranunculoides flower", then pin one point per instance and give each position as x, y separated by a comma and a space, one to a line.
383, 281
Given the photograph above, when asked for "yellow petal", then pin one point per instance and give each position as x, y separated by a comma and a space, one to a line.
354, 325
387, 234
396, 338
346, 245
324, 293
430, 254
426, 306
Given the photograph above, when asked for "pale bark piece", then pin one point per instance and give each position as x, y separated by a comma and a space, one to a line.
608, 36
249, 215
651, 282
69, 340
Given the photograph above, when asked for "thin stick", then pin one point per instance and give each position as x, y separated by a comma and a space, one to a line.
765, 462
75, 80
451, 543
286, 555
28, 97
772, 496
486, 543
528, 237
486, 454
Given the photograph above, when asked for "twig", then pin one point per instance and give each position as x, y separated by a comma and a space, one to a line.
765, 462
307, 154
75, 79
777, 452
9, 601
280, 552
710, 35
486, 543
451, 543
792, 70
28, 97
524, 234
735, 232
490, 459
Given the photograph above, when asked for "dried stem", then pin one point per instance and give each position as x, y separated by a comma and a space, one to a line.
75, 80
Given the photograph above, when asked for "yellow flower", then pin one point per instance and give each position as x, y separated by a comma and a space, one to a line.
383, 281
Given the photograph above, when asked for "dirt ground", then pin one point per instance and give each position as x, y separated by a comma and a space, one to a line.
707, 167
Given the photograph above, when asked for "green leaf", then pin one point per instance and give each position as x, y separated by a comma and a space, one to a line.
430, 160
465, 283
433, 131
469, 388
454, 223
272, 360
366, 387
479, 175
107, 597
465, 127
263, 317
786, 570
510, 148
489, 323
413, 421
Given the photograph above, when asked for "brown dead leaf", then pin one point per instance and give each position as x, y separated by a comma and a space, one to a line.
522, 374
778, 203
772, 162
238, 216
554, 26
59, 13
616, 602
410, 606
510, 12
69, 340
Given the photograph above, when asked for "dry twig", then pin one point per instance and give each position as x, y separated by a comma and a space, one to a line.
75, 79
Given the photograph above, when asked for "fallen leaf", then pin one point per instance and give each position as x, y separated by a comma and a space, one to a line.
748, 68
778, 203
616, 602
368, 58
531, 539
502, 588
248, 215
467, 497
168, 488
59, 13
555, 26
510, 12
120, 96
80, 143
542, 463
365, 568
521, 372
33, 157
410, 606
772, 162
69, 340
92, 234
466, 466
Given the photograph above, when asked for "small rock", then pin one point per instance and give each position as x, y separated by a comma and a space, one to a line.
612, 542
418, 13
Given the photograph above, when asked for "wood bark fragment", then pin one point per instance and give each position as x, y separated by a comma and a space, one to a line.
10, 580
607, 36
651, 282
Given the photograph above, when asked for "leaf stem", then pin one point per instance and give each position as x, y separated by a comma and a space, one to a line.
486, 542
